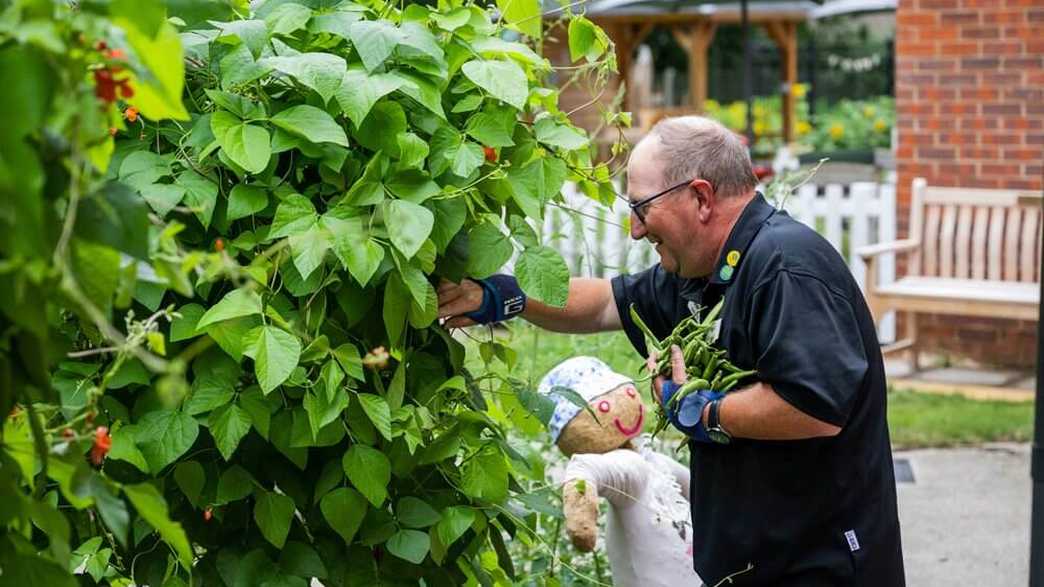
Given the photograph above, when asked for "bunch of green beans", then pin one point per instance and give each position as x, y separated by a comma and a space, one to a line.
706, 366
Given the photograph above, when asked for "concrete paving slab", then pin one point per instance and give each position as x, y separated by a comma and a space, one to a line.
964, 376
966, 519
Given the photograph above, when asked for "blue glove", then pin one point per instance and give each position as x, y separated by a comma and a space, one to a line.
688, 417
502, 299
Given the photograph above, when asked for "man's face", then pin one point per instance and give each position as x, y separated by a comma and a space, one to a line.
670, 222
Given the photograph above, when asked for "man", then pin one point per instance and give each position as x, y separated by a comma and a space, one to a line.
792, 480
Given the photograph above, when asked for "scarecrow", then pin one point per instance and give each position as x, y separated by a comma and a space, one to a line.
649, 533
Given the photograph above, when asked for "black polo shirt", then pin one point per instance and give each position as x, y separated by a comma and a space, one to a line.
805, 512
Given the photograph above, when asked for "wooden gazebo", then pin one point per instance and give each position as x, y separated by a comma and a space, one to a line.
693, 24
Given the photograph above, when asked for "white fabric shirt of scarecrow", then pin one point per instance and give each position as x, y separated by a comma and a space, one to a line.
649, 535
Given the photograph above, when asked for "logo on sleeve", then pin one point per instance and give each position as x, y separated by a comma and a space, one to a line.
853, 542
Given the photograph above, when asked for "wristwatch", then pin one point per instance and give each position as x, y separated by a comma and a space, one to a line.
714, 430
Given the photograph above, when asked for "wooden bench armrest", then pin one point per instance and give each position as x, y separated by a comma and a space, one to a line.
870, 251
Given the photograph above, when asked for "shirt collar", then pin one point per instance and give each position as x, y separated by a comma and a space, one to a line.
748, 225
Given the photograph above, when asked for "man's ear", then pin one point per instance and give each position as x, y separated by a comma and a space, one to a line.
706, 199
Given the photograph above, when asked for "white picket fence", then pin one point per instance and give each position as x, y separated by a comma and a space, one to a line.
594, 241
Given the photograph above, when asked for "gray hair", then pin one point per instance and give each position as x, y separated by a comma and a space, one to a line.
697, 147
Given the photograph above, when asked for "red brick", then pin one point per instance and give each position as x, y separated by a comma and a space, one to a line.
1002, 109
1033, 170
987, 32
906, 18
958, 108
1023, 184
1006, 47
1035, 15
956, 170
961, 48
938, 4
980, 62
1035, 139
1000, 139
1023, 154
999, 78
937, 64
979, 94
999, 169
1032, 62
936, 153
957, 79
957, 139
1003, 17
958, 18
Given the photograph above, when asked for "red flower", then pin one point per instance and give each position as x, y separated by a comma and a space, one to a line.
491, 154
208, 514
131, 114
117, 54
219, 244
102, 444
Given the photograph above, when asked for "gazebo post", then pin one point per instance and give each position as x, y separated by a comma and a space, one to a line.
785, 36
696, 40
626, 37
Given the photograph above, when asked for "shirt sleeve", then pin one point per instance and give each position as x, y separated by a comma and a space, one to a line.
677, 470
653, 293
618, 474
808, 345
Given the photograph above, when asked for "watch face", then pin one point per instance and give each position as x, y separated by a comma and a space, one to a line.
718, 436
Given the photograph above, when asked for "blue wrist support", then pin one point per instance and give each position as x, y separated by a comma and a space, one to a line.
502, 299
688, 417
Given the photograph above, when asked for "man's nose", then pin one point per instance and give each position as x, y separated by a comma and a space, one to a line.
638, 231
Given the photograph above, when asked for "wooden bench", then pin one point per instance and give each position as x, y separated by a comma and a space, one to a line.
971, 252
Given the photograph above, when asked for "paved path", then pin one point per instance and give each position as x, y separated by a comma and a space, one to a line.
966, 518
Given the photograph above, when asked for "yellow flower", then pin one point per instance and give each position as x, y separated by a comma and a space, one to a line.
799, 90
836, 131
803, 128
869, 111
880, 125
759, 128
760, 110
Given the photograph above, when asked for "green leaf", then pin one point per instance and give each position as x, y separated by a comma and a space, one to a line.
252, 33
245, 200
200, 194
360, 90
369, 471
454, 523
504, 80
273, 513
451, 151
309, 248
413, 150
396, 307
312, 124
149, 503
362, 261
543, 275
165, 435
125, 449
335, 23
190, 478
413, 512
323, 409
417, 36
495, 248
541, 179
159, 95
410, 545
115, 216
379, 130
374, 41
584, 40
422, 91
275, 355
485, 475
162, 197
378, 412
321, 72
236, 303
449, 218
347, 356
295, 213
228, 425
344, 509
288, 18
559, 135
234, 484
523, 15
453, 19
492, 129
301, 560
408, 225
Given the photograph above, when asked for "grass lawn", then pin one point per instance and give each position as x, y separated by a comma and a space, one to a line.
915, 419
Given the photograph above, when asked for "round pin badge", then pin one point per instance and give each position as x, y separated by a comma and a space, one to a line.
732, 258
726, 272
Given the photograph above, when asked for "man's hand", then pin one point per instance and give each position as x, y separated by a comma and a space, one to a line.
457, 299
688, 415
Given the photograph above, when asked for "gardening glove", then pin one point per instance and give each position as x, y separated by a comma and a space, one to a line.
688, 414
502, 299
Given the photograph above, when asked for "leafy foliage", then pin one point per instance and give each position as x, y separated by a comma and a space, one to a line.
278, 188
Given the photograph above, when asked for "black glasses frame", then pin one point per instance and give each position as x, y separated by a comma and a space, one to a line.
636, 207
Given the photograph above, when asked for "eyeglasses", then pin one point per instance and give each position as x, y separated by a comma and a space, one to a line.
641, 206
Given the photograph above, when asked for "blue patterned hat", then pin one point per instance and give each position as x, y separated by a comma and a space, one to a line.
588, 376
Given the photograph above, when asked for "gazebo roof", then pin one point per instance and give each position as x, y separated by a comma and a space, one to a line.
675, 10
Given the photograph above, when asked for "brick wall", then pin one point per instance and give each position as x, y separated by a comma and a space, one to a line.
970, 113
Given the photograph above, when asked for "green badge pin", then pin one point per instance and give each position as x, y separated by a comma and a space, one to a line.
726, 272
